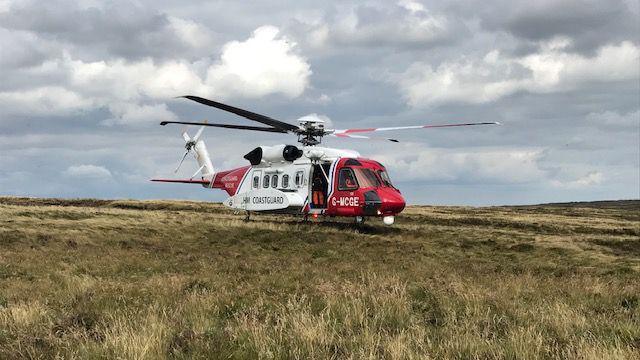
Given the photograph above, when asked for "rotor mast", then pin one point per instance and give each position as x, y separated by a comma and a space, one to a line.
311, 131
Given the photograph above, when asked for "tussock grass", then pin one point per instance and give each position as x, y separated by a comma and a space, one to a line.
165, 279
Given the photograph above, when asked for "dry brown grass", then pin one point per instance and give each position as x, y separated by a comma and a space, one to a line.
164, 279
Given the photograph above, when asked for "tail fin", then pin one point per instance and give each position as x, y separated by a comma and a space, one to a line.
204, 161
201, 154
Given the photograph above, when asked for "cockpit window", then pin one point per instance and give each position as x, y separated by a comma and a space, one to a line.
347, 180
366, 177
386, 180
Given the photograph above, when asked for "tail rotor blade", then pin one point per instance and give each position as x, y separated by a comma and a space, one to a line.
197, 136
181, 161
185, 136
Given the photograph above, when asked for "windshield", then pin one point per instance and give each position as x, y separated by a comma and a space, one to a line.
385, 178
366, 177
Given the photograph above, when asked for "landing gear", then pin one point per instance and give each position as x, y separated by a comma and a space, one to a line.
359, 220
247, 216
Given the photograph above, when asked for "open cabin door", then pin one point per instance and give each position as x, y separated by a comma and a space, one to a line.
319, 184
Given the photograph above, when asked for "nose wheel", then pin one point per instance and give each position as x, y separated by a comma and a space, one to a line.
359, 220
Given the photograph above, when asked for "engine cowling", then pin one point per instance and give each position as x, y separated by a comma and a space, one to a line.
273, 154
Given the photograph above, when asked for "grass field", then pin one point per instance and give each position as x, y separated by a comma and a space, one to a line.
164, 279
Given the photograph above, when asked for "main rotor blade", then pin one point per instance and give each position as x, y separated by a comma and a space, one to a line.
363, 137
338, 132
244, 113
227, 126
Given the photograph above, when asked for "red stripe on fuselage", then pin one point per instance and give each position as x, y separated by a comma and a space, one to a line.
230, 180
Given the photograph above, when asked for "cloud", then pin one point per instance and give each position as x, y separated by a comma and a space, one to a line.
614, 121
93, 85
24, 49
266, 63
501, 166
47, 100
589, 23
496, 75
412, 6
109, 29
133, 114
590, 179
133, 80
88, 172
406, 24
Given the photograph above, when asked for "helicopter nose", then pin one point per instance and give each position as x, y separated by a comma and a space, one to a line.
392, 201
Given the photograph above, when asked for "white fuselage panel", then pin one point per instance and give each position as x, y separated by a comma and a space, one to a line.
280, 185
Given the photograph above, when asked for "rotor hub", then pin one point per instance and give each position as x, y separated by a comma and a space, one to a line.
311, 131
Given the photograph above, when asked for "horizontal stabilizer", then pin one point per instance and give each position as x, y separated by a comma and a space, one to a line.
184, 181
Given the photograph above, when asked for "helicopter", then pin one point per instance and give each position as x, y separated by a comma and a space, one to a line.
306, 180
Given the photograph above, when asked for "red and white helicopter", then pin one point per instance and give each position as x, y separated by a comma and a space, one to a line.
309, 180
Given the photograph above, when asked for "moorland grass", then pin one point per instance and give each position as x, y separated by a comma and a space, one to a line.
164, 279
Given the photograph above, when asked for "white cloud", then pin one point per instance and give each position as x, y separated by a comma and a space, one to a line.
590, 179
263, 64
51, 100
411, 5
192, 33
5, 5
132, 80
495, 75
406, 25
133, 114
88, 171
459, 165
324, 99
411, 25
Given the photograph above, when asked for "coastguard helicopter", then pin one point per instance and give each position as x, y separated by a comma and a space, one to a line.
307, 180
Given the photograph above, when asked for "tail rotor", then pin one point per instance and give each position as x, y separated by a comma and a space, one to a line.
190, 145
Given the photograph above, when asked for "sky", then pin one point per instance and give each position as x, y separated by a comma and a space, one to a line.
84, 84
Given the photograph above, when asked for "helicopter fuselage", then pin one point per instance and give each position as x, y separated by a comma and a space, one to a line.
341, 184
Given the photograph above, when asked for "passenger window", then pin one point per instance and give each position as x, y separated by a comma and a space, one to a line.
285, 181
256, 181
265, 181
274, 181
299, 178
347, 180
